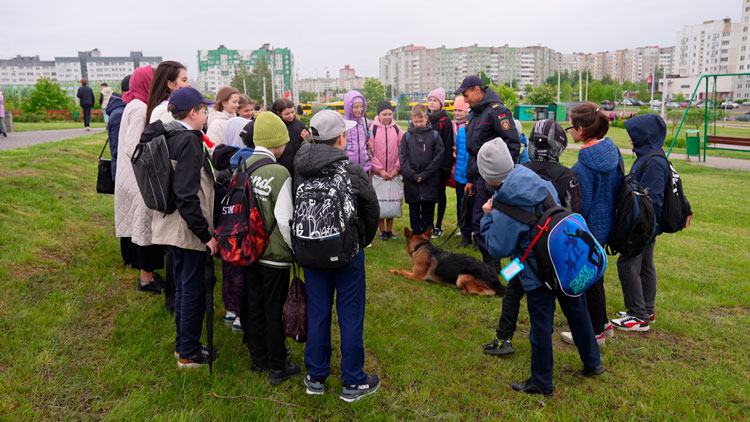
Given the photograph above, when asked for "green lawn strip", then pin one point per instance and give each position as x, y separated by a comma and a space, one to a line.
83, 344
25, 127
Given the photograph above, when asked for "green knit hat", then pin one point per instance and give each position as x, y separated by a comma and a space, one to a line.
270, 131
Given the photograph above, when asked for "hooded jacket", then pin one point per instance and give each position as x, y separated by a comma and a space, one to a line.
600, 179
462, 156
104, 96
191, 225
295, 127
486, 122
648, 132
311, 159
356, 137
421, 154
442, 124
114, 111
216, 121
86, 96
386, 140
506, 236
162, 113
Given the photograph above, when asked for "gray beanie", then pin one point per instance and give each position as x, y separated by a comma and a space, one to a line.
494, 161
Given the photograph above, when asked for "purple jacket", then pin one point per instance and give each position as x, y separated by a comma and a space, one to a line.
2, 105
356, 138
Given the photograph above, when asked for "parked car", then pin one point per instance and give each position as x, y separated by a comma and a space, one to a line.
743, 117
636, 102
729, 105
672, 104
608, 105
656, 103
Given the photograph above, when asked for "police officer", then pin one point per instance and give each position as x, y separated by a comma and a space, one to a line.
488, 119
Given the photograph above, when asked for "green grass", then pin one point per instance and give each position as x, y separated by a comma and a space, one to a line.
25, 127
79, 343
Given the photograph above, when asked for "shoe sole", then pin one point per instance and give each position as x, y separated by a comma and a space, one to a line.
148, 291
279, 381
189, 365
312, 391
498, 353
355, 398
639, 328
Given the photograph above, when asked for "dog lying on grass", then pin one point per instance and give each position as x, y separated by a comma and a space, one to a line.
464, 272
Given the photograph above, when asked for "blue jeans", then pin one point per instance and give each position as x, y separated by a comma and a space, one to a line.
541, 303
190, 299
349, 285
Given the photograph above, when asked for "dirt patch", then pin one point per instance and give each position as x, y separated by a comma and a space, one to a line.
19, 173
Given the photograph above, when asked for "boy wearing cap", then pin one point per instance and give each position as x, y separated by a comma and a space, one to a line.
327, 149
440, 122
189, 230
267, 281
505, 236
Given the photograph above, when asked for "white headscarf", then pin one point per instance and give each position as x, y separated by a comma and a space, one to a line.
232, 129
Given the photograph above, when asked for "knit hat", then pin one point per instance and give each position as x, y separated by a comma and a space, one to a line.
270, 131
438, 93
384, 105
460, 103
316, 107
548, 141
494, 161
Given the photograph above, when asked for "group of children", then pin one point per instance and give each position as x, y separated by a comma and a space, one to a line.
417, 163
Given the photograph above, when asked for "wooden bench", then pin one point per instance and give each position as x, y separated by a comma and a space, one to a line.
58, 114
728, 140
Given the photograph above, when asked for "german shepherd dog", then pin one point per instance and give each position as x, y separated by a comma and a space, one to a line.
464, 272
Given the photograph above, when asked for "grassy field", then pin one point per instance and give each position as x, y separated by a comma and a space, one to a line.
25, 127
79, 343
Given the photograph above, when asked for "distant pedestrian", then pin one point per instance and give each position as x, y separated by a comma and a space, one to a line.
227, 103
441, 123
2, 115
86, 101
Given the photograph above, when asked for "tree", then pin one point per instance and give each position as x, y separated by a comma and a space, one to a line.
543, 94
307, 97
507, 94
679, 97
241, 78
251, 83
47, 95
374, 91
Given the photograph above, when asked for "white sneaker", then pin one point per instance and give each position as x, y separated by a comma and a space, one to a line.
230, 317
631, 323
237, 325
609, 330
567, 337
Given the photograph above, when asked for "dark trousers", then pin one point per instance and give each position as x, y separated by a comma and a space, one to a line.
481, 195
350, 286
86, 115
441, 204
514, 292
597, 305
466, 227
638, 279
147, 258
231, 286
169, 286
190, 299
421, 215
264, 293
541, 303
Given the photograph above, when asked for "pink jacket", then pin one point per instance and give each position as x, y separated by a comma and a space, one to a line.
386, 141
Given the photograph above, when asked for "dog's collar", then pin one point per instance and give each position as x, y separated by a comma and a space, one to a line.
419, 245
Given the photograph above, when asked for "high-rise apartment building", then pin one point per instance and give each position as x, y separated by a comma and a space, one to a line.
741, 84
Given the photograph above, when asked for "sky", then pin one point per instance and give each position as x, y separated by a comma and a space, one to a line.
326, 35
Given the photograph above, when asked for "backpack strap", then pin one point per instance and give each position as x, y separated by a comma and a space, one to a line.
374, 130
658, 153
258, 164
516, 213
395, 126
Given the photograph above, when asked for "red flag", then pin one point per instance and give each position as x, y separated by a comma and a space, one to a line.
287, 94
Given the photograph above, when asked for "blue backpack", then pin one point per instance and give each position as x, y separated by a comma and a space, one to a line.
569, 258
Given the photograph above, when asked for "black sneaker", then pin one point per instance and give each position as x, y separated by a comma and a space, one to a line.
437, 233
392, 236
465, 243
383, 236
280, 376
258, 369
152, 287
352, 393
529, 388
499, 348
315, 386
590, 372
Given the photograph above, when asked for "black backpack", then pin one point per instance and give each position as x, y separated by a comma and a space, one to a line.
375, 130
634, 221
563, 178
676, 211
154, 174
324, 224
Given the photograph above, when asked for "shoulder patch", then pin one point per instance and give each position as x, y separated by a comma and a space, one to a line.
505, 124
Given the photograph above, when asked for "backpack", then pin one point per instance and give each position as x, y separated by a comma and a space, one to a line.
569, 258
154, 174
325, 220
241, 232
294, 316
375, 130
563, 178
676, 211
634, 223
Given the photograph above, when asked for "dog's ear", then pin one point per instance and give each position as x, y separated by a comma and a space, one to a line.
407, 233
427, 233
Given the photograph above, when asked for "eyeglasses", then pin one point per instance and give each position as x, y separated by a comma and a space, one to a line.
567, 129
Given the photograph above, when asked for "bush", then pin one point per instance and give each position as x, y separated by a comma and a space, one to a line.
30, 117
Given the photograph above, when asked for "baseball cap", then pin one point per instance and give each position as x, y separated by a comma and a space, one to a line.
469, 81
186, 98
329, 124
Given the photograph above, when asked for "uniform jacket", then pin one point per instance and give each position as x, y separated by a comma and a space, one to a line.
506, 236
386, 140
312, 158
444, 127
600, 181
647, 133
487, 122
191, 225
421, 154
356, 137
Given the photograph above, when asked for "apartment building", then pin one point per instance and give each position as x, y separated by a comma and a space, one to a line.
19, 74
325, 88
741, 84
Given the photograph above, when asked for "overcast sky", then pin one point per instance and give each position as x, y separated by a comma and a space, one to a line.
326, 34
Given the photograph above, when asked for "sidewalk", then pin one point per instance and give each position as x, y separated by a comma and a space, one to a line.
713, 162
26, 139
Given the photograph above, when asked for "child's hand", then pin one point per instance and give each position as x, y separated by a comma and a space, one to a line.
213, 245
304, 134
487, 207
419, 180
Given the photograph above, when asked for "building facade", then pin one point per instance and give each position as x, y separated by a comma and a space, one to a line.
329, 89
19, 74
634, 65
741, 84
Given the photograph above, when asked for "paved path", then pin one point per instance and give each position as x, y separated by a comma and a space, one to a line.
714, 162
25, 139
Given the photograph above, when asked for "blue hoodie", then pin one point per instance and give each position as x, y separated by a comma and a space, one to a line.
506, 236
647, 132
600, 181
244, 152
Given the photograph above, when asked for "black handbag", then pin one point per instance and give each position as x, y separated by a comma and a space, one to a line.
104, 182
